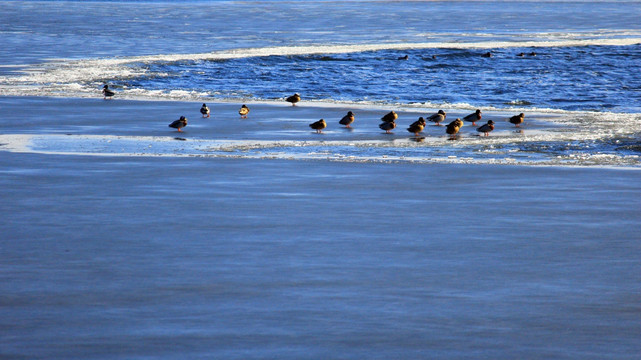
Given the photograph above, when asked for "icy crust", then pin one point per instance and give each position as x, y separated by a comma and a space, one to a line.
500, 149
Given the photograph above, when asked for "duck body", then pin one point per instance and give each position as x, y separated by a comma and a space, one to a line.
437, 118
107, 92
453, 127
318, 125
388, 126
417, 126
179, 124
244, 110
347, 120
474, 117
205, 111
390, 117
485, 129
517, 120
293, 99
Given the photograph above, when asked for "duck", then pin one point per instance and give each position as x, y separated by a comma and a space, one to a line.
438, 117
390, 117
178, 124
486, 128
107, 92
244, 110
487, 55
388, 126
417, 126
318, 126
293, 99
406, 57
453, 128
473, 117
347, 120
205, 111
517, 120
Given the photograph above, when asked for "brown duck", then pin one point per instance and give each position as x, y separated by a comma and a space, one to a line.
517, 120
390, 117
293, 99
453, 128
244, 110
318, 125
417, 126
347, 120
388, 126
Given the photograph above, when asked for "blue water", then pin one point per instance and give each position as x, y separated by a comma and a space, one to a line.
568, 73
71, 29
589, 78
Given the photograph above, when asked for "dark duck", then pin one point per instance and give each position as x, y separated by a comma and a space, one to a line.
107, 92
474, 117
205, 111
485, 129
179, 124
517, 120
437, 118
347, 120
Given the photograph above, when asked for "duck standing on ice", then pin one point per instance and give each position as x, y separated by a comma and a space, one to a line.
107, 92
293, 99
417, 126
347, 120
388, 122
485, 129
453, 128
178, 124
517, 120
205, 111
318, 126
437, 118
388, 126
474, 117
244, 110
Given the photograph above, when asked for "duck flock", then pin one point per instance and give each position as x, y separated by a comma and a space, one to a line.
388, 120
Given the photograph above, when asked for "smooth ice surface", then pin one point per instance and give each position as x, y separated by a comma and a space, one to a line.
170, 258
205, 256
